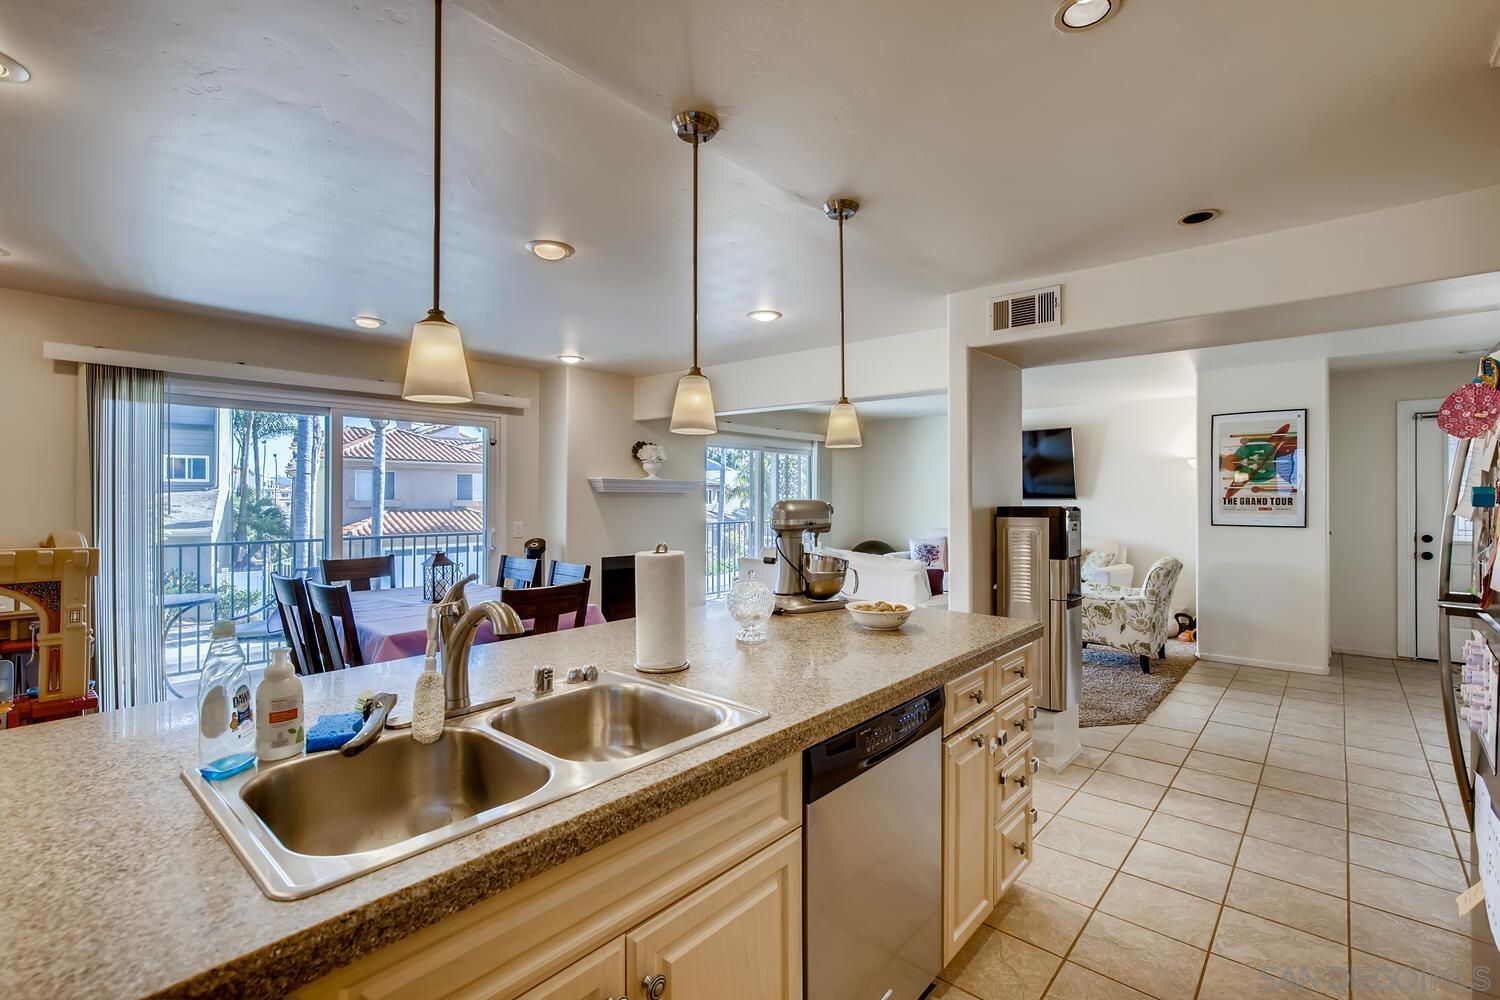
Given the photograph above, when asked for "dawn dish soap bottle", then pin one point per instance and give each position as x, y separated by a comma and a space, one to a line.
280, 730
226, 729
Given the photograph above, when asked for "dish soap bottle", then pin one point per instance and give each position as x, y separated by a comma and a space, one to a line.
226, 732
280, 730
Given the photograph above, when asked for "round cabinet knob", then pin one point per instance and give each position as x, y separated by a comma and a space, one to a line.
978, 696
1021, 725
1021, 781
1020, 848
978, 739
655, 985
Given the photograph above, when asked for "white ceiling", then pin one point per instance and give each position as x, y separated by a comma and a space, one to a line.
271, 159
892, 408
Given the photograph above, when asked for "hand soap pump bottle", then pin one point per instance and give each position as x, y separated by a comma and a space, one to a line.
280, 730
226, 730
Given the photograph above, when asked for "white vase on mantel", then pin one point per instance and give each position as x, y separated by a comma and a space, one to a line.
652, 467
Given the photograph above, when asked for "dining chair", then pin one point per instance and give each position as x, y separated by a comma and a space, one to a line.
333, 619
542, 606
359, 573
297, 622
566, 572
517, 573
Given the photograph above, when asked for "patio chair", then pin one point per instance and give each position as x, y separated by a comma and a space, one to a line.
1133, 619
543, 606
333, 626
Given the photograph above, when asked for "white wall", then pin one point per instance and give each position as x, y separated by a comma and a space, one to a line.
1263, 593
43, 442
1133, 477
984, 468
895, 488
589, 413
1365, 548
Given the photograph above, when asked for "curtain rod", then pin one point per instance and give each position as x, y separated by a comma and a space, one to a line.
238, 372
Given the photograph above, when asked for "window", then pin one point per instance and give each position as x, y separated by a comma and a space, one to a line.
364, 482
187, 468
468, 487
744, 481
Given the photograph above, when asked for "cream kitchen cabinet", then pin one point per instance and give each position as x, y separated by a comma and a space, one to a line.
600, 976
737, 938
987, 817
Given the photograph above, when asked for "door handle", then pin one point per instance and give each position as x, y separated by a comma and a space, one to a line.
1426, 556
1426, 539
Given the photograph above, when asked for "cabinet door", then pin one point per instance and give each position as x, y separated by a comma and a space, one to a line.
968, 762
1012, 848
600, 976
737, 938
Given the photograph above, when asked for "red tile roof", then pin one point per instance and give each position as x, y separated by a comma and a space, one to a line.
402, 445
417, 521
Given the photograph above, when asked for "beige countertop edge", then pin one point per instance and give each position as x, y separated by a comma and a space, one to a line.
295, 961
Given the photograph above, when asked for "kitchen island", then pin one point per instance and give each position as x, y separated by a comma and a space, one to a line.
121, 885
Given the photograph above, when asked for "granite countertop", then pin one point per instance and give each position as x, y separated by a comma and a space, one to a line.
119, 885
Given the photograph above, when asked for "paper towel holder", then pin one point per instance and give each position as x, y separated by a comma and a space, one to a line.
661, 550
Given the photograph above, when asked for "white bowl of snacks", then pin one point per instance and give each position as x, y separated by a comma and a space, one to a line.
879, 615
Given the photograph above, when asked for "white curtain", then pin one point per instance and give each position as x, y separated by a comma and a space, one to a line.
127, 408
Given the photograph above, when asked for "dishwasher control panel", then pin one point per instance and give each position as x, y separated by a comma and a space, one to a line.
887, 731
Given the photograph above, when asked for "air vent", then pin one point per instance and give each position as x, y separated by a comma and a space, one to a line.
1042, 307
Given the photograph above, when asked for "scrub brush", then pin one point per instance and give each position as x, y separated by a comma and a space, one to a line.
428, 702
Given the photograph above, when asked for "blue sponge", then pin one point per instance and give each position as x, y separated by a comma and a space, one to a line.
332, 731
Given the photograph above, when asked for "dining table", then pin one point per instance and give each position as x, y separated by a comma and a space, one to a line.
392, 623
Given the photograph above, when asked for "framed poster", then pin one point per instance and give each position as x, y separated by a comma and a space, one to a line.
1260, 472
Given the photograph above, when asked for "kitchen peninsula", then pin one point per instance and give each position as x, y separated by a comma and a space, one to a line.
123, 887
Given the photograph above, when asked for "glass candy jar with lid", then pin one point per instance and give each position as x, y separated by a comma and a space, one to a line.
750, 604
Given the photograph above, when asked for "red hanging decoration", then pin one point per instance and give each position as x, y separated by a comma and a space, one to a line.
1470, 411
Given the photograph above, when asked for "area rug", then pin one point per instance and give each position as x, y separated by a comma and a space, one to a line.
1116, 693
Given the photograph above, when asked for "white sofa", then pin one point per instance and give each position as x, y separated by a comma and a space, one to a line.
1104, 563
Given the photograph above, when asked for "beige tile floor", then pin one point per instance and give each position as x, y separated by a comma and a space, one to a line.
1262, 833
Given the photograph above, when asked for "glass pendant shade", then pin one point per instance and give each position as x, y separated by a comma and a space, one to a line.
843, 426
436, 371
693, 409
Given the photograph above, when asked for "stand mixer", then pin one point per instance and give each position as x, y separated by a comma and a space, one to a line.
806, 580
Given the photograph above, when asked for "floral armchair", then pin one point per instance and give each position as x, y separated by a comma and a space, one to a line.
1133, 619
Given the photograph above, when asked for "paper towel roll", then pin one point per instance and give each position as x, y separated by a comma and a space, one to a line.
660, 612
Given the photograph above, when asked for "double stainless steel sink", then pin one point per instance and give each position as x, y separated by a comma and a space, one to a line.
305, 824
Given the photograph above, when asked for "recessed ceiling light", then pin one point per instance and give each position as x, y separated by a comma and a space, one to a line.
1199, 217
368, 322
12, 71
570, 359
764, 315
1080, 15
550, 249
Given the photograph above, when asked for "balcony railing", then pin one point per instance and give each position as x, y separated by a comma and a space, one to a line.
726, 542
207, 582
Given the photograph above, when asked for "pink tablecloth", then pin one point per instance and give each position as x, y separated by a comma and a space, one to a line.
393, 623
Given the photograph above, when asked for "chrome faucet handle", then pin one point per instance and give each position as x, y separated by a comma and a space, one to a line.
579, 675
377, 710
541, 679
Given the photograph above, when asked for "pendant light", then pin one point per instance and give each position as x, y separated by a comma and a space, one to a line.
436, 371
693, 408
843, 421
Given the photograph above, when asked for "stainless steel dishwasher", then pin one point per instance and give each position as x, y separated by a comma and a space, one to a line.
873, 830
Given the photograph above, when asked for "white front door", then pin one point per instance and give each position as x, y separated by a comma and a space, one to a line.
1431, 465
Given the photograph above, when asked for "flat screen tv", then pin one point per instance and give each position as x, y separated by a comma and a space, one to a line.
1047, 464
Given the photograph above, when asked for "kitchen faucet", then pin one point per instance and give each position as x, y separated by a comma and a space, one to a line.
459, 640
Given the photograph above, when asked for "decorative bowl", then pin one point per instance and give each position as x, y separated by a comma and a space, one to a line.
866, 615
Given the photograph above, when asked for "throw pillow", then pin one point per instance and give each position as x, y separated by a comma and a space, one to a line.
1095, 559
930, 552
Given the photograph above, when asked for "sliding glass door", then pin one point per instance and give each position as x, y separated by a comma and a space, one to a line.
744, 481
412, 488
244, 496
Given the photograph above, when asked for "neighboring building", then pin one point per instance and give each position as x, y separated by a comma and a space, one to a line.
434, 480
195, 475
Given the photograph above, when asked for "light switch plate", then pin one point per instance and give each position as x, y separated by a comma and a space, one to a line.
517, 529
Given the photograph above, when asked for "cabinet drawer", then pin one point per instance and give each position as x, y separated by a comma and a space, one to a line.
1013, 781
968, 697
1015, 722
1015, 672
600, 976
1012, 847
